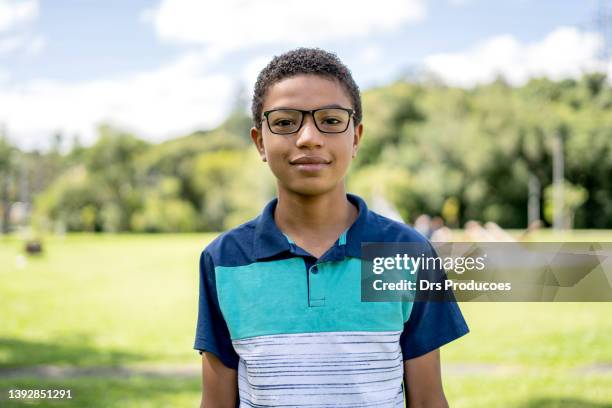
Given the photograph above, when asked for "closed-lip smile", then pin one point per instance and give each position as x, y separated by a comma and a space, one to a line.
309, 160
310, 164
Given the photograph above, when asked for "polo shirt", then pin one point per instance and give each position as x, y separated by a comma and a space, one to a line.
295, 327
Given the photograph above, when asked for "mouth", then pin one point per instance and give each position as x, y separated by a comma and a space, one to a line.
310, 163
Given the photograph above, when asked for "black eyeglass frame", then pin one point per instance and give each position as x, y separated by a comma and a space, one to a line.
351, 112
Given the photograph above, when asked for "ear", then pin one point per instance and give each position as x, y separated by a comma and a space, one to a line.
357, 138
257, 138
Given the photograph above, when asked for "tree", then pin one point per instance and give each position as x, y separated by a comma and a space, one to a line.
7, 174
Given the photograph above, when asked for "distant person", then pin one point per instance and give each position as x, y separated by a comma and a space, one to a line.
439, 231
490, 233
437, 222
498, 233
423, 225
281, 322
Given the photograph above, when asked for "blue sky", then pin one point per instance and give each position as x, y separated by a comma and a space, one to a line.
164, 68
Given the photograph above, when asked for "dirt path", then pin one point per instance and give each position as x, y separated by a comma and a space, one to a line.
193, 370
52, 372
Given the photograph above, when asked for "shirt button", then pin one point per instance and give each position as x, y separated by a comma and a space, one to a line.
314, 270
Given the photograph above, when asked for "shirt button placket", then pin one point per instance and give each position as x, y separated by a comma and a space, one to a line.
317, 286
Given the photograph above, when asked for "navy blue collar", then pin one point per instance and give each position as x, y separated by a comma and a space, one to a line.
270, 241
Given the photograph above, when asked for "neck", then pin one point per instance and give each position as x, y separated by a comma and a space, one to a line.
322, 215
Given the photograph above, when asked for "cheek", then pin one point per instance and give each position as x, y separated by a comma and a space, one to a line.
273, 147
276, 154
344, 150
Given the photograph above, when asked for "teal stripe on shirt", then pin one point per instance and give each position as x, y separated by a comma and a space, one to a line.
266, 298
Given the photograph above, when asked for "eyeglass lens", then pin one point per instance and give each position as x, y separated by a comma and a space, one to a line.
285, 121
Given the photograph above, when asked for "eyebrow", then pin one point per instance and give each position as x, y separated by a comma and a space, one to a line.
334, 105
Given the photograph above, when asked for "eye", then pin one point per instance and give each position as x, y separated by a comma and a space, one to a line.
332, 121
283, 122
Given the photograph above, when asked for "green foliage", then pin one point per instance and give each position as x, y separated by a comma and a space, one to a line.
461, 154
6, 152
165, 215
386, 112
573, 198
7, 164
72, 203
204, 181
231, 187
477, 147
99, 195
395, 184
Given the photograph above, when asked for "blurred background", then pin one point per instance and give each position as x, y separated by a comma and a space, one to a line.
124, 149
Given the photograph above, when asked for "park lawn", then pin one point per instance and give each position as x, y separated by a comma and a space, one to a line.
96, 392
548, 389
109, 300
528, 335
549, 235
100, 300
531, 390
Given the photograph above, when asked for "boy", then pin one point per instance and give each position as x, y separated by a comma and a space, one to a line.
281, 322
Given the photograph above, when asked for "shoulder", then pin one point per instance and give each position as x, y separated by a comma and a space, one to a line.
383, 229
233, 247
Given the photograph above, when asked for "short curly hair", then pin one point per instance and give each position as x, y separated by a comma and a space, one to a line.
309, 61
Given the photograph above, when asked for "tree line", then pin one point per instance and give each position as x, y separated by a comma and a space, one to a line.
477, 154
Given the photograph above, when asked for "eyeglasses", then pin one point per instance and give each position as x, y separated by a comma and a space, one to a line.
326, 120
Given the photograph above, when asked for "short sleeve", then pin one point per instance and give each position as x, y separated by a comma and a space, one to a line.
212, 334
432, 323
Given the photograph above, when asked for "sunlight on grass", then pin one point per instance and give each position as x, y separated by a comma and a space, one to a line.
134, 294
121, 300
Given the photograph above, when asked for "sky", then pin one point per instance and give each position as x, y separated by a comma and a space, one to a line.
164, 68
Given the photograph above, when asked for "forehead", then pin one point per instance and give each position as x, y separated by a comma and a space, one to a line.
306, 92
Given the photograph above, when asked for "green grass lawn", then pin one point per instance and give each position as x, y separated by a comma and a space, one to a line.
121, 300
110, 392
92, 300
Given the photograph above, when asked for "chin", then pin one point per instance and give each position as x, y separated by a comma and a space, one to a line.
310, 187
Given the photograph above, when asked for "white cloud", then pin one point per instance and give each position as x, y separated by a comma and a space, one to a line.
370, 54
4, 77
29, 44
460, 3
235, 24
10, 43
16, 12
565, 52
35, 45
252, 70
464, 3
157, 105
16, 17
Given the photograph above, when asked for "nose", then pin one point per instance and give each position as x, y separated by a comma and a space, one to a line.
309, 136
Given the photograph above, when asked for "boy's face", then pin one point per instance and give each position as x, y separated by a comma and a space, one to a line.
308, 162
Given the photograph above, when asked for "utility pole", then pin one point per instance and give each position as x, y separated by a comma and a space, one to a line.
24, 197
533, 202
558, 170
6, 163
